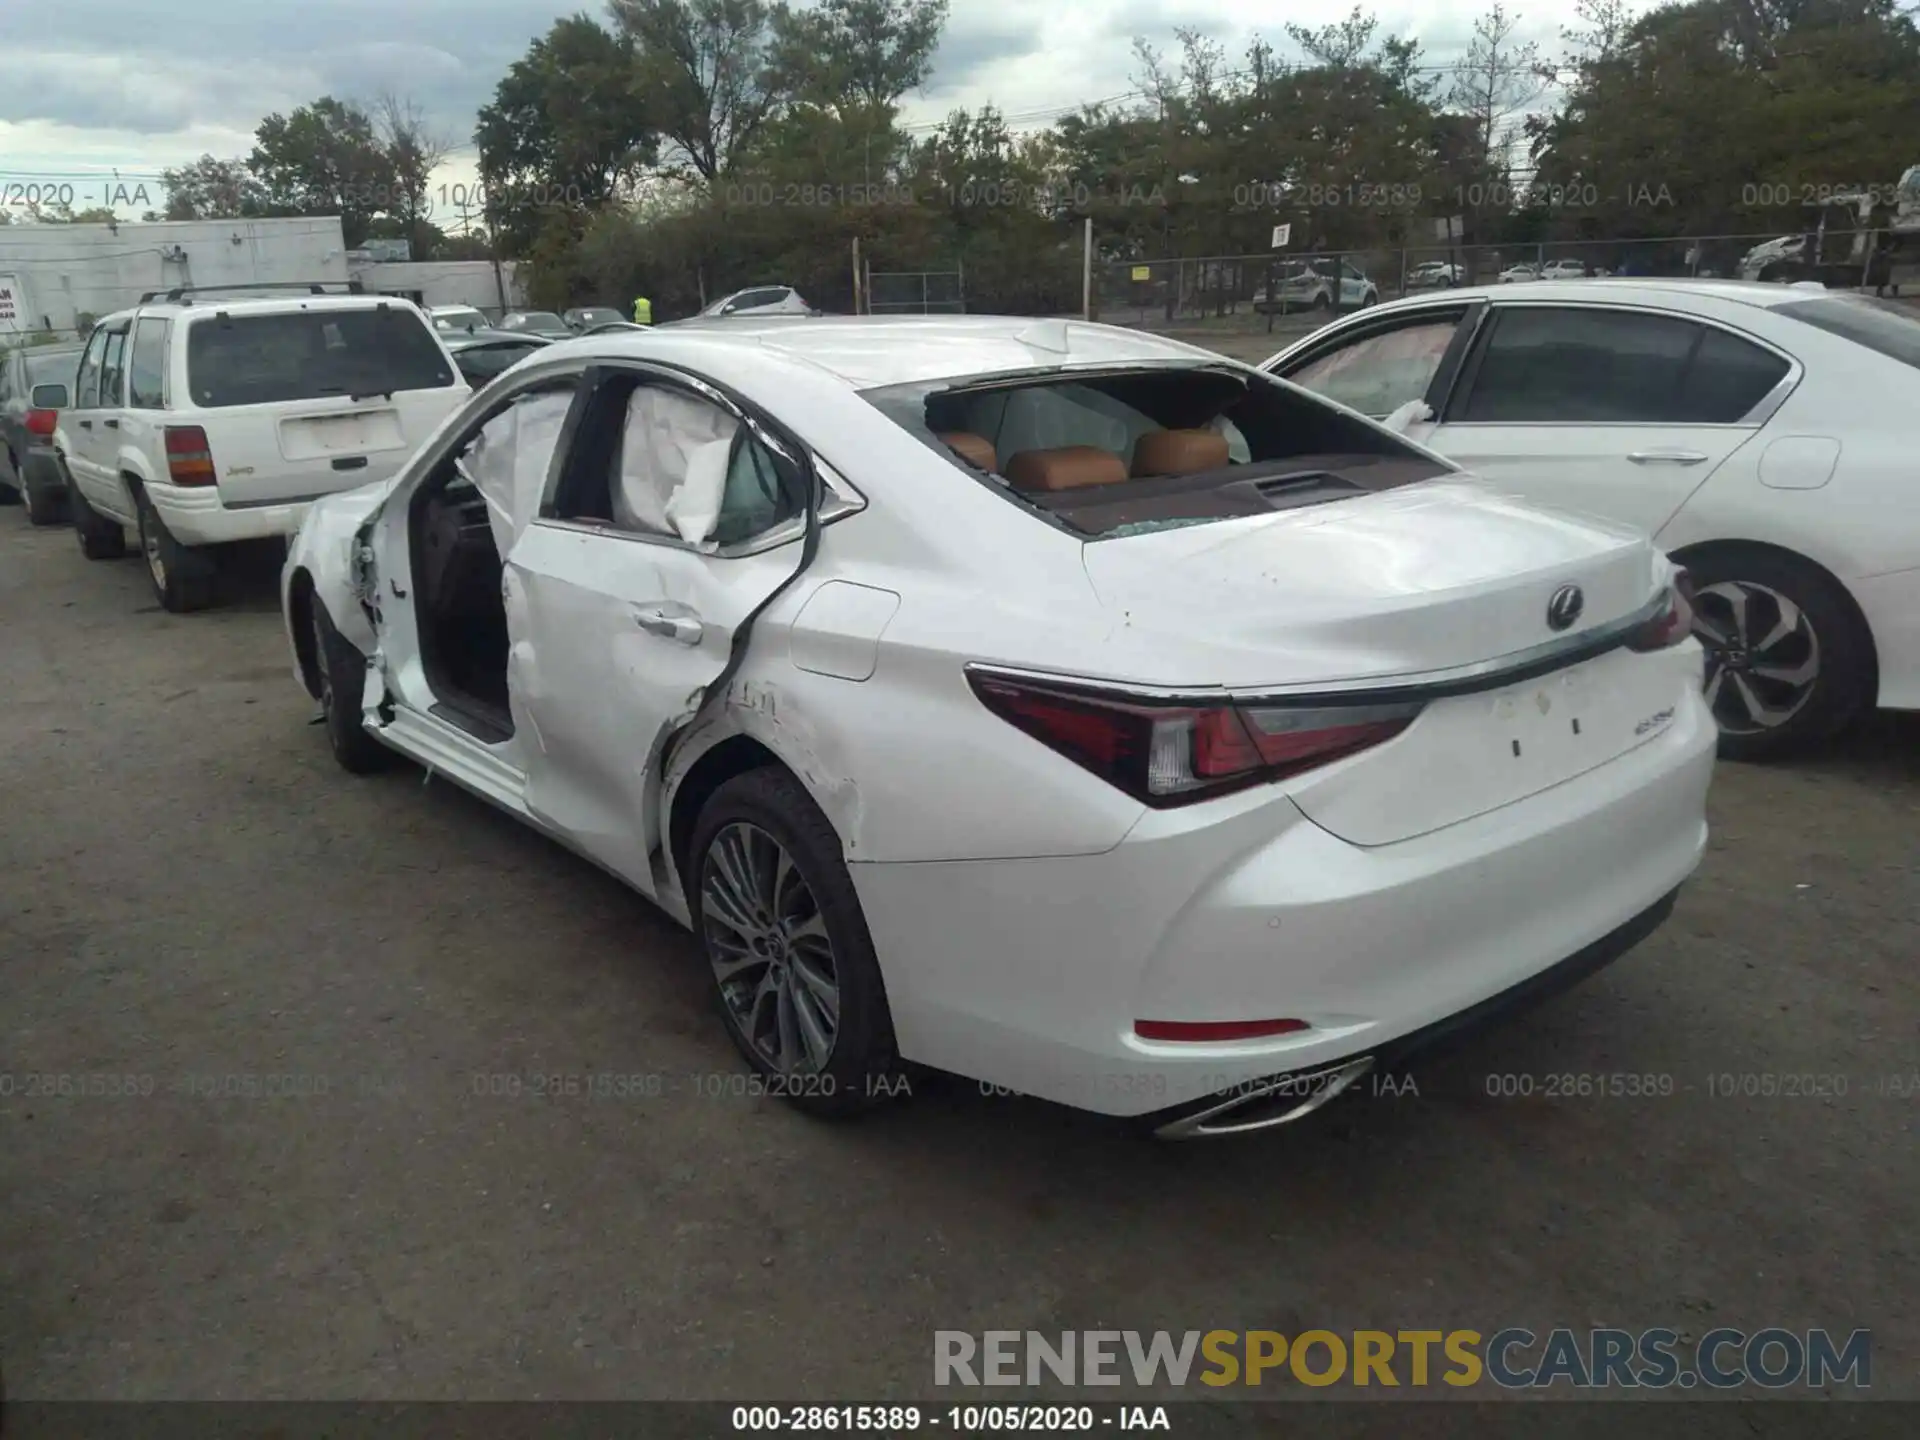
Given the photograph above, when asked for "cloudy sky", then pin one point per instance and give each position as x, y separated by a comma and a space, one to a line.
102, 87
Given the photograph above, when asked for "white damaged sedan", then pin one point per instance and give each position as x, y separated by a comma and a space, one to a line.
1055, 705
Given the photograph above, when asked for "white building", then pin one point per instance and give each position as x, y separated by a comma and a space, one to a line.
443, 282
52, 274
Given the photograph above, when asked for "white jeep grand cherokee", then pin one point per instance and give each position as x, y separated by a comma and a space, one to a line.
200, 418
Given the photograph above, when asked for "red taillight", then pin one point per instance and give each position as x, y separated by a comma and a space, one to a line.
1200, 1032
1173, 754
40, 423
189, 458
1673, 624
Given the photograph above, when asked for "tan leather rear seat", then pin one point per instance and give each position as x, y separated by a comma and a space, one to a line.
1068, 468
976, 450
1178, 452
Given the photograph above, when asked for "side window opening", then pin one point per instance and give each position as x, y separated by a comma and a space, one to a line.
664, 462
1119, 453
1548, 364
1379, 372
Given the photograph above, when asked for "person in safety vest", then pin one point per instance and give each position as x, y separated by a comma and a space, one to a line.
642, 311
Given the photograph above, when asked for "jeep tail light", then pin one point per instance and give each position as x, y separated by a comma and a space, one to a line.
189, 460
1169, 755
1674, 622
40, 423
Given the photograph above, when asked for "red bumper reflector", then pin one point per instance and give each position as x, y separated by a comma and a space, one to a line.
1203, 1031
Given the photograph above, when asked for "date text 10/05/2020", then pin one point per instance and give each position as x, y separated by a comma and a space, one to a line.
1268, 195
953, 1419
1049, 198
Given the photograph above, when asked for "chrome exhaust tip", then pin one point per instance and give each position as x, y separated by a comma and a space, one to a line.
1309, 1090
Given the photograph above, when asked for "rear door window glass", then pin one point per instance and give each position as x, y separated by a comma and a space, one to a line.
311, 355
113, 369
147, 367
1729, 376
1546, 365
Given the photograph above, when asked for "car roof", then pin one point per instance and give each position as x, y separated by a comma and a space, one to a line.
869, 351
467, 339
214, 304
1623, 289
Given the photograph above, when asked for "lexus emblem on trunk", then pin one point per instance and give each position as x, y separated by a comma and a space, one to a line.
1565, 607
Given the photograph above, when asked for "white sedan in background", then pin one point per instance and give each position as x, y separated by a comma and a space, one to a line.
1763, 435
1055, 705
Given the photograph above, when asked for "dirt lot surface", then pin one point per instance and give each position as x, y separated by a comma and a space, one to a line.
190, 891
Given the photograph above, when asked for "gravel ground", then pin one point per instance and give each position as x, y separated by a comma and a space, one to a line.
189, 890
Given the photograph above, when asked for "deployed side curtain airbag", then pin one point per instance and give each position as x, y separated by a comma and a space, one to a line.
664, 432
508, 460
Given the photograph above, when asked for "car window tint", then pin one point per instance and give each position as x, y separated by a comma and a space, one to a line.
1728, 378
311, 354
1378, 373
87, 389
1883, 326
147, 367
112, 369
1550, 365
480, 363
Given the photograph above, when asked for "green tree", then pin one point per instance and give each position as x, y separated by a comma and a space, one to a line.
566, 132
704, 70
325, 159
212, 189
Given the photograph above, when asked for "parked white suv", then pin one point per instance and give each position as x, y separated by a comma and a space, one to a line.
199, 420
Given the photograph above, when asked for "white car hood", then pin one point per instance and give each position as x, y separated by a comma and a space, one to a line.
1429, 577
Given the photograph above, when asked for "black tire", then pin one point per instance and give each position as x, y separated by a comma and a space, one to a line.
1828, 631
862, 1067
1323, 301
14, 488
43, 489
100, 538
343, 677
183, 576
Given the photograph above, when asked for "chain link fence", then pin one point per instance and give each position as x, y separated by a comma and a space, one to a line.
916, 292
1285, 291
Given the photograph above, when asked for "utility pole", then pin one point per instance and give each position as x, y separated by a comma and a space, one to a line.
857, 309
1086, 271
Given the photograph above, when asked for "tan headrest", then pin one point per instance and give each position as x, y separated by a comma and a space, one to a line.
1178, 452
1068, 468
976, 450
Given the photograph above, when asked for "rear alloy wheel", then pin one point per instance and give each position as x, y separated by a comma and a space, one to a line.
100, 538
793, 965
182, 576
1788, 662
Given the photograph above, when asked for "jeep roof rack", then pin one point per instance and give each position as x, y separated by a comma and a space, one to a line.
185, 293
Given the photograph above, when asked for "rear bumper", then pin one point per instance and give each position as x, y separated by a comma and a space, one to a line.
1260, 1105
197, 515
1030, 974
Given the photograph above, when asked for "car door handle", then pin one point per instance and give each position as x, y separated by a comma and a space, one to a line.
670, 624
1667, 457
111, 424
86, 424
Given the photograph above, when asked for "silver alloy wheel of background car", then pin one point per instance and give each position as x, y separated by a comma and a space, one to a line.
768, 944
1763, 657
150, 547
